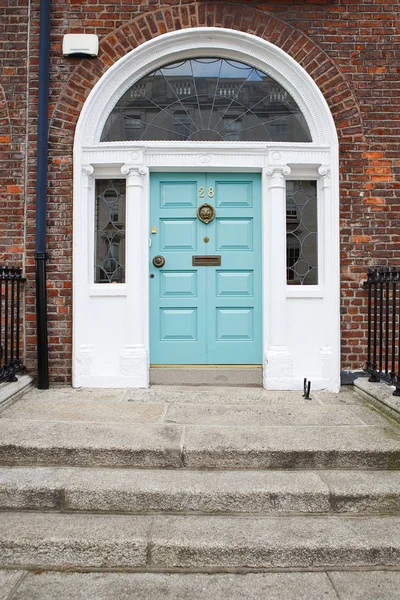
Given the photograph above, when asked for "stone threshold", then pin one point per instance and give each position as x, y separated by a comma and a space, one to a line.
212, 375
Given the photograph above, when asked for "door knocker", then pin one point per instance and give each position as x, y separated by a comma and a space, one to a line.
206, 213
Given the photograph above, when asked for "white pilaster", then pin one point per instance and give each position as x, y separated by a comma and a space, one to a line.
134, 357
82, 248
85, 221
278, 362
329, 233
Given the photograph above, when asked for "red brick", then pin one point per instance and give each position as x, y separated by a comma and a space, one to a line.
374, 200
360, 239
14, 189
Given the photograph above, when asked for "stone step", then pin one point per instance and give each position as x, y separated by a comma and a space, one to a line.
237, 375
206, 492
346, 585
198, 446
199, 543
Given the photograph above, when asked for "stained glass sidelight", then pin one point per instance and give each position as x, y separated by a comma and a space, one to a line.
207, 99
301, 233
109, 265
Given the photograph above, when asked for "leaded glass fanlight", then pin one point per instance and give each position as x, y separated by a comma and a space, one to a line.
207, 99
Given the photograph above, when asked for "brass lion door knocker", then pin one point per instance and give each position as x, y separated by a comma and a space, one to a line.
206, 213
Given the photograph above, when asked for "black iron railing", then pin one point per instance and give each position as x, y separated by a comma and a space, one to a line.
10, 322
383, 360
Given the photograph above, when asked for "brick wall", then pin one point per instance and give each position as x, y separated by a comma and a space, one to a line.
13, 114
347, 46
13, 69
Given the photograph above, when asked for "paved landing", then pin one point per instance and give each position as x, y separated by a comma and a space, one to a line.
194, 405
197, 428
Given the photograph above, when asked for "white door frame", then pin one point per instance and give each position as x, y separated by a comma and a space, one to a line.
301, 327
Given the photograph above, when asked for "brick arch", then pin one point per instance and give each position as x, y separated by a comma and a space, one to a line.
118, 43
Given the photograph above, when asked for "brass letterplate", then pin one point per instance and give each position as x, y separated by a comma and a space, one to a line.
206, 261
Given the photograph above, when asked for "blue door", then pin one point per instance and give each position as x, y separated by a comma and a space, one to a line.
205, 268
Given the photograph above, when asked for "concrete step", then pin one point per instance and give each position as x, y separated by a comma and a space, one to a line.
206, 492
346, 585
199, 543
68, 443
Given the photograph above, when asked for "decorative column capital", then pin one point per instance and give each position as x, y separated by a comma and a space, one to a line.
277, 174
88, 174
325, 173
135, 175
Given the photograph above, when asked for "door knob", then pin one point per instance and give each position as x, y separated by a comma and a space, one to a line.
158, 261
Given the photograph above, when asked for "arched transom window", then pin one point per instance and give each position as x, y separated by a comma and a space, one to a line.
207, 99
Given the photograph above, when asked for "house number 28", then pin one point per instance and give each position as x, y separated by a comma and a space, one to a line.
210, 192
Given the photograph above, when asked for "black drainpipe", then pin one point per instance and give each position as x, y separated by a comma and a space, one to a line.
41, 197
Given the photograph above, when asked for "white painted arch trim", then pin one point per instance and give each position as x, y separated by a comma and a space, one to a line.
275, 160
197, 42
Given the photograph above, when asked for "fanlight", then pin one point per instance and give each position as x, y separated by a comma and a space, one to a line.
207, 99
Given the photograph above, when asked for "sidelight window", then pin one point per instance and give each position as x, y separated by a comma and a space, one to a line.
301, 233
109, 261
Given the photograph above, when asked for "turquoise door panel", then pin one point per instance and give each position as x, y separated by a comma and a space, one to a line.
178, 234
234, 194
234, 283
206, 314
178, 284
178, 324
178, 194
234, 234
234, 324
